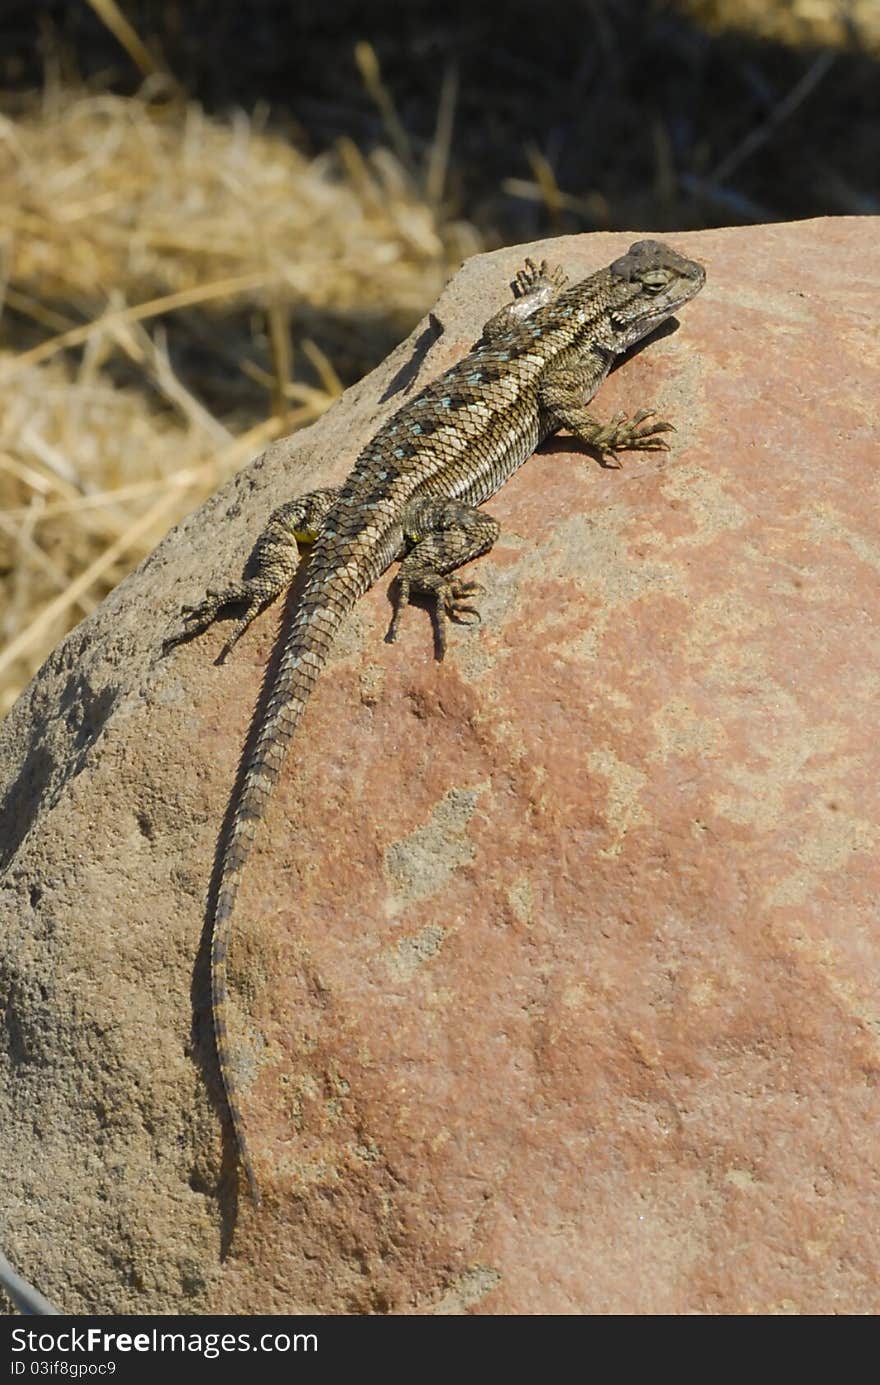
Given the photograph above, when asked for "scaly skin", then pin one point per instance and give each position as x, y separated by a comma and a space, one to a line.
413, 495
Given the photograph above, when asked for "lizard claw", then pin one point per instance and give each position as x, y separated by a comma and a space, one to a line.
196, 619
454, 596
634, 434
193, 623
533, 277
452, 603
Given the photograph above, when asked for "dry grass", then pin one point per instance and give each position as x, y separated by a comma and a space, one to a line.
136, 234
811, 22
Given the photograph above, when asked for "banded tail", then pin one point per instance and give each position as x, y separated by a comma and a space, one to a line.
305, 653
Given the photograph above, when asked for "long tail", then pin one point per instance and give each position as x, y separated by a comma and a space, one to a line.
305, 653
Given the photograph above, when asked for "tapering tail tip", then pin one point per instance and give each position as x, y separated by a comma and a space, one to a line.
253, 1186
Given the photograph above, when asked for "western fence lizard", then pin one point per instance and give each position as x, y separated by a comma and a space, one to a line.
413, 494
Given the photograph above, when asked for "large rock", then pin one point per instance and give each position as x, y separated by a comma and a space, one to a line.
556, 966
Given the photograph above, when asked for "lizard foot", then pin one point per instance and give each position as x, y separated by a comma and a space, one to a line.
453, 603
532, 277
626, 434
197, 618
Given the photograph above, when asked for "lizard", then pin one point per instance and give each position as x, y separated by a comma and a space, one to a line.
413, 495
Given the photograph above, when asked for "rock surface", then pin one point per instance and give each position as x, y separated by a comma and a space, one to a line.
556, 972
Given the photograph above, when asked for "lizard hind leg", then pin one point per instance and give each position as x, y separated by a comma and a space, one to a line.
271, 567
441, 535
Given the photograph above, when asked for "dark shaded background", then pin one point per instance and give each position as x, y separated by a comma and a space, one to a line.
626, 114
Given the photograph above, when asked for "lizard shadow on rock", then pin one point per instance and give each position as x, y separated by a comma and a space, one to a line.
44, 773
404, 377
22, 803
665, 329
204, 1049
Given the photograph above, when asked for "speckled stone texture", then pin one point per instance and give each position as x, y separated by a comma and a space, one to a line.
556, 974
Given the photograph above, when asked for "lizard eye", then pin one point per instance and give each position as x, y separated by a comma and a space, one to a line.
655, 280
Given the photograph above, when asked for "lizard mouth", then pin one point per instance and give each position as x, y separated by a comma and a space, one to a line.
660, 282
631, 330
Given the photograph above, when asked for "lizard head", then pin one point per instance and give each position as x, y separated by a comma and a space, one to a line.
648, 284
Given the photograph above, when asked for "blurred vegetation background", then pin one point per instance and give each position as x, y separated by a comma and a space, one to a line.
214, 216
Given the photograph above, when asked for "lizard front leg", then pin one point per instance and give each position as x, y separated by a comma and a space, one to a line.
562, 393
442, 535
271, 567
534, 286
